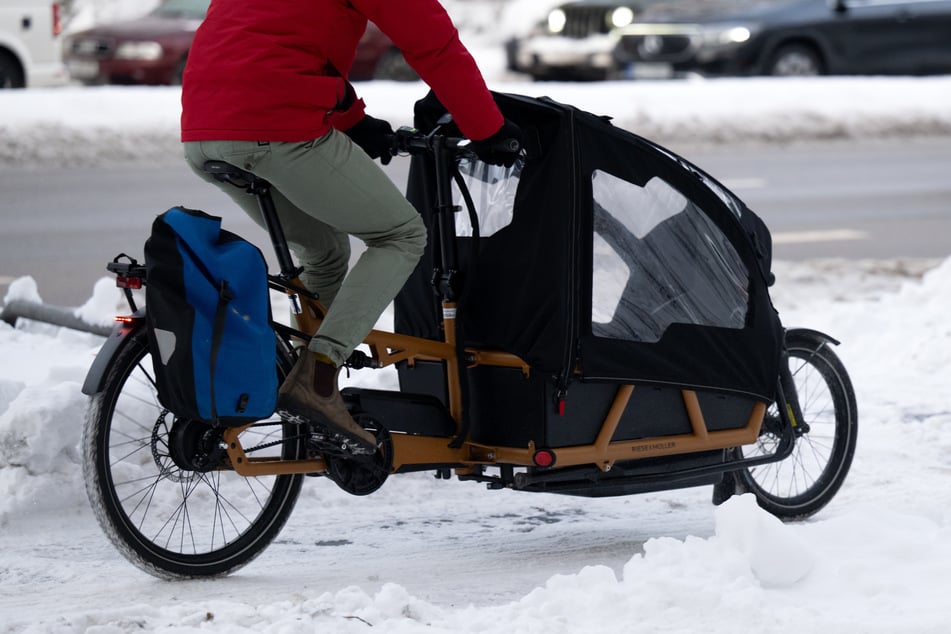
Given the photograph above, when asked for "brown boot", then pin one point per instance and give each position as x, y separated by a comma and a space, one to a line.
310, 395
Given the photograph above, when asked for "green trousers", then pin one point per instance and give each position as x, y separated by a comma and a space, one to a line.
326, 190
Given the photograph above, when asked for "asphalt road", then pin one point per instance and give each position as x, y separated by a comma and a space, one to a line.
870, 200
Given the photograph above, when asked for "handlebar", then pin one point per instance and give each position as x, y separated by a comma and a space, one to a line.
412, 141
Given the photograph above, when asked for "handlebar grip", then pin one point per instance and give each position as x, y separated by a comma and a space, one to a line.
510, 145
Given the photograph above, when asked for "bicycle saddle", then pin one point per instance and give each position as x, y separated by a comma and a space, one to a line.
226, 172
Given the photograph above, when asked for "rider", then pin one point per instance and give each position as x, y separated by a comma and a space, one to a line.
264, 89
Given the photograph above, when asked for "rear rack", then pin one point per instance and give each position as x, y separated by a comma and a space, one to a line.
130, 276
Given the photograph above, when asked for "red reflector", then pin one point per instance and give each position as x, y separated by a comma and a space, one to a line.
129, 282
543, 458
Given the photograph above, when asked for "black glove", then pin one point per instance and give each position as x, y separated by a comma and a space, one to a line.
502, 148
374, 136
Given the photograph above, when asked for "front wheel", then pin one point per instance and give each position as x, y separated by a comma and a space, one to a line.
795, 60
160, 486
825, 435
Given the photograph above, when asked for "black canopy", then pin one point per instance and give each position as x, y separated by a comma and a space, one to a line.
604, 257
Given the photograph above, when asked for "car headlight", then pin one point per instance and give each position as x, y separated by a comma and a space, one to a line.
621, 17
727, 35
557, 20
147, 51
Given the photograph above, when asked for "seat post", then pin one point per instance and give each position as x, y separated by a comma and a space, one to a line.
261, 189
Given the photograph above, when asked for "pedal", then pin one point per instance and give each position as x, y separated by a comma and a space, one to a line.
337, 444
328, 442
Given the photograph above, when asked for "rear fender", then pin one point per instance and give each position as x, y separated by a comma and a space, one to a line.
121, 334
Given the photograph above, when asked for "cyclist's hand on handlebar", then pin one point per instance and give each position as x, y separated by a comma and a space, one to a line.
374, 136
502, 148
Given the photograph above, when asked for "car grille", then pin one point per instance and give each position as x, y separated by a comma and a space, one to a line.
98, 48
584, 21
656, 47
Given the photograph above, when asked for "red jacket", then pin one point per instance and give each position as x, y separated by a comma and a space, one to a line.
269, 70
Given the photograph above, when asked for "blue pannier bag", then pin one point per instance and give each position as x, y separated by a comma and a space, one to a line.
208, 314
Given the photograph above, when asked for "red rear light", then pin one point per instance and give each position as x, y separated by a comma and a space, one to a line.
124, 319
128, 282
57, 24
544, 458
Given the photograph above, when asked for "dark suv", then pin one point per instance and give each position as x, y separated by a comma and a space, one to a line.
153, 49
790, 37
574, 40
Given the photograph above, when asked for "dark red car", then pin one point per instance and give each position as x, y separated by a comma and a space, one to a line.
153, 49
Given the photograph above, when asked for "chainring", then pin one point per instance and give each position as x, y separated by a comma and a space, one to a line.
355, 474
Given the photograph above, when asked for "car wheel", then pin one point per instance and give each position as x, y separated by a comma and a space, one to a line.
795, 60
393, 66
11, 75
179, 72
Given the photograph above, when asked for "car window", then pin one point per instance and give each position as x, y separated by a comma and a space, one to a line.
855, 4
183, 9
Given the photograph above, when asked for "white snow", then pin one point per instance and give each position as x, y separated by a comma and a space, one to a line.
114, 125
435, 556
90, 126
422, 555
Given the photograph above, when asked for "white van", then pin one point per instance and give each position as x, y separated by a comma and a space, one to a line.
30, 44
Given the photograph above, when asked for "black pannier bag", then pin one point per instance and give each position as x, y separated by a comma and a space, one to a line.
617, 262
208, 316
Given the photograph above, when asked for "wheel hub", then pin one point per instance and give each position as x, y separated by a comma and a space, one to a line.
195, 445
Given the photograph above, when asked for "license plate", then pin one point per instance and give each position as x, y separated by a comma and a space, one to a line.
649, 70
82, 69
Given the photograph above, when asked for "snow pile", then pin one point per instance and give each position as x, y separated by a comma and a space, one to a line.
108, 125
93, 126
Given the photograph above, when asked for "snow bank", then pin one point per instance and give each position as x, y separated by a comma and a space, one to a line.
92, 126
851, 585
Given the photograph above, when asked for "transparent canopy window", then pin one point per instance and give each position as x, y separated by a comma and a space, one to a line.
492, 188
659, 260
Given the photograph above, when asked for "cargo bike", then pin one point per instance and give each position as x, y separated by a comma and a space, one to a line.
593, 321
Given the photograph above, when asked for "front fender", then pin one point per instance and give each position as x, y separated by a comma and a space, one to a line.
120, 335
793, 334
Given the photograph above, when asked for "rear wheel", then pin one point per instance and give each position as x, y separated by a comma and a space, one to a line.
179, 72
11, 74
805, 481
160, 486
393, 66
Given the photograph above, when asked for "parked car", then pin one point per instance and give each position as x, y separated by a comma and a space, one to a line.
789, 37
153, 49
30, 44
575, 40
